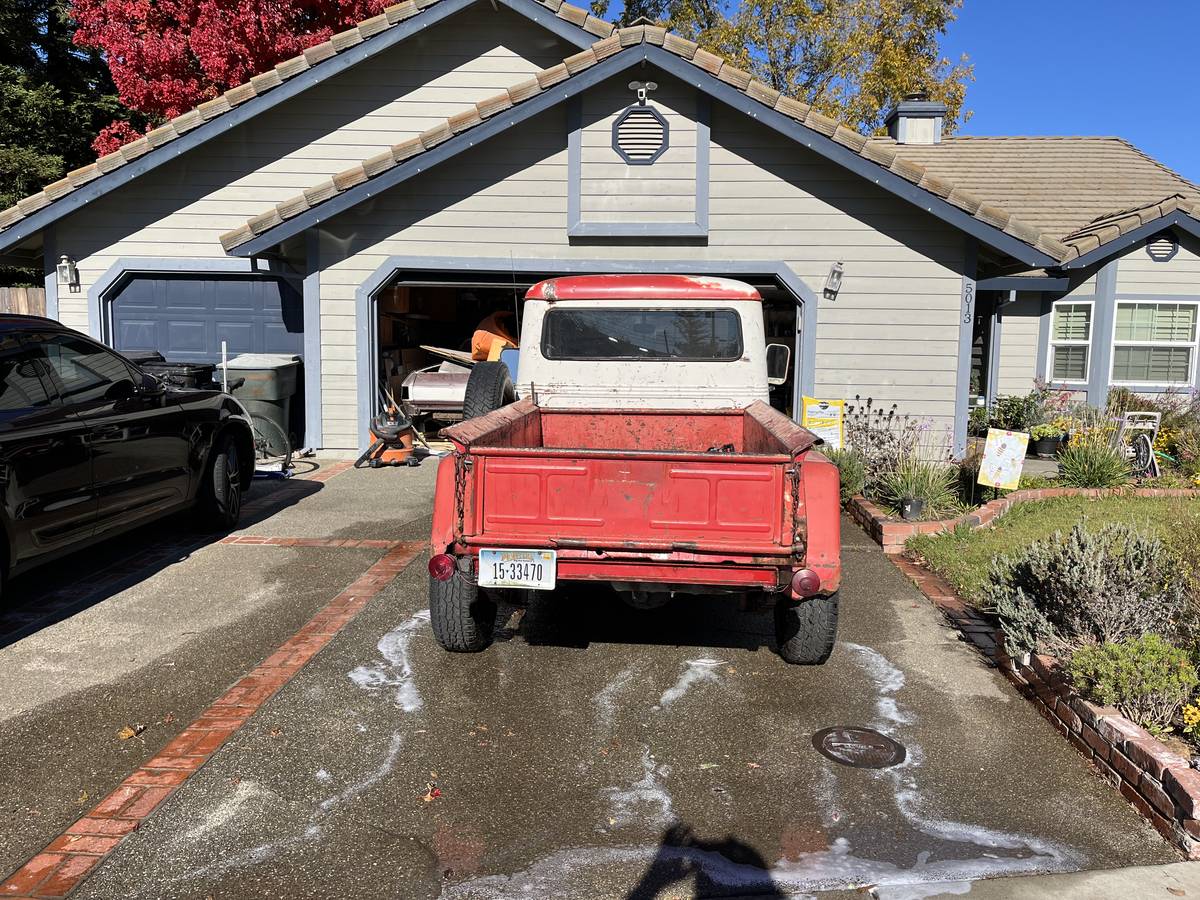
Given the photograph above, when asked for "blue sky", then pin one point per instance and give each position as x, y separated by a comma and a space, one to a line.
1086, 67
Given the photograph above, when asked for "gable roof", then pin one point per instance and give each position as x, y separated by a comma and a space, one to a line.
263, 91
873, 159
1083, 191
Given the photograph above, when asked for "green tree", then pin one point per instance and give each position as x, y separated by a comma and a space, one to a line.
54, 98
851, 59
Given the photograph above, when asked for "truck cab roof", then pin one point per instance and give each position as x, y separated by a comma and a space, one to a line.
641, 287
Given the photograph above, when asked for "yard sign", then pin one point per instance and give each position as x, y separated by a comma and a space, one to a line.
824, 419
1003, 456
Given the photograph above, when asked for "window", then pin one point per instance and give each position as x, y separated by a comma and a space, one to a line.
21, 388
1154, 343
1070, 341
85, 371
645, 334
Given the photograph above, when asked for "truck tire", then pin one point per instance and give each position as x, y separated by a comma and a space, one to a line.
806, 630
462, 620
489, 387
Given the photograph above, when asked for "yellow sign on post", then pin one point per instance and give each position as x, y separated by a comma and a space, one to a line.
1003, 457
824, 419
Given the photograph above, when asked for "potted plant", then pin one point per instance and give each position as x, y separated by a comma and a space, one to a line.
1045, 439
911, 508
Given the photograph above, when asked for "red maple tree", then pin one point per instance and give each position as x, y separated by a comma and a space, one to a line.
167, 56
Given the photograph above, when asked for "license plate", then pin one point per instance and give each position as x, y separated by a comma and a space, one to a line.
534, 569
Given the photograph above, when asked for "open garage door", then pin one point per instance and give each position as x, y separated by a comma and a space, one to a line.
185, 317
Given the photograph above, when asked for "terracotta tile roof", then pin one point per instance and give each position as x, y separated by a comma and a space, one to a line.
260, 84
882, 153
1082, 191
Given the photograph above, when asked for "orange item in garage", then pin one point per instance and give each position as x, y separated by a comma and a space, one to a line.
493, 334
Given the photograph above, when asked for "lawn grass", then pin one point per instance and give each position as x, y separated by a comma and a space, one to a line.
963, 556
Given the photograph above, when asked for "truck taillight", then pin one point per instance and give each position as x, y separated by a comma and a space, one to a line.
441, 567
805, 583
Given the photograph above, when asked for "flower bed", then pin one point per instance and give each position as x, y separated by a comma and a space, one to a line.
891, 533
1159, 783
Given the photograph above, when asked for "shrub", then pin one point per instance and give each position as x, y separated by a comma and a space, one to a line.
1017, 413
853, 471
1085, 587
935, 483
1092, 464
881, 439
1144, 677
977, 421
1187, 451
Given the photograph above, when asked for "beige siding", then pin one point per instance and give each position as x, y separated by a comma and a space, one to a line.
892, 334
182, 208
611, 190
1137, 273
1020, 322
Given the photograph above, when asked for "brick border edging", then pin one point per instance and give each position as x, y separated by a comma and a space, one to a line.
58, 868
891, 533
1159, 783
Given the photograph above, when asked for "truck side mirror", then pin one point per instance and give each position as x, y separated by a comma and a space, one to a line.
779, 362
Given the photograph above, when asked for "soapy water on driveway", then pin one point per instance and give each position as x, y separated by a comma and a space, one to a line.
597, 751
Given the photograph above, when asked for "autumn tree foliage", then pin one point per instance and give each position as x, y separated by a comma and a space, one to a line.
850, 59
167, 56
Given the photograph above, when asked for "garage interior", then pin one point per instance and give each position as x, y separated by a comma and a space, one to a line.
417, 310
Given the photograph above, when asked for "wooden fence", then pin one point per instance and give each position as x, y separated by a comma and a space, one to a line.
28, 301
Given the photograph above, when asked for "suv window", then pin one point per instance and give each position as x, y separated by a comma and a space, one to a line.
712, 335
86, 372
21, 387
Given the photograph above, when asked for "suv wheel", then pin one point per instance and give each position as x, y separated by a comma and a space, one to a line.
220, 501
806, 629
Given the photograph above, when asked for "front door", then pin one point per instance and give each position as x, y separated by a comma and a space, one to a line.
140, 440
45, 461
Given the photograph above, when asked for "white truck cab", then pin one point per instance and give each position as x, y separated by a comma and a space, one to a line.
648, 341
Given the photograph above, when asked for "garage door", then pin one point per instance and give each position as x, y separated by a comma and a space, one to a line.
185, 317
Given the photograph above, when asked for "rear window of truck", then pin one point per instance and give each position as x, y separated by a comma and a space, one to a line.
692, 335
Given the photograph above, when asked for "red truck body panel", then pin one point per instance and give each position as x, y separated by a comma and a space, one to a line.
732, 497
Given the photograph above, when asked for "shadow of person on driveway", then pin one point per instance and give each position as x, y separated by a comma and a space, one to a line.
721, 868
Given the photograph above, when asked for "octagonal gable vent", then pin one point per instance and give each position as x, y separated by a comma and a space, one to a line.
640, 135
1162, 248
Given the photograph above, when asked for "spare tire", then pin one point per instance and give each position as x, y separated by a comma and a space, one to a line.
489, 387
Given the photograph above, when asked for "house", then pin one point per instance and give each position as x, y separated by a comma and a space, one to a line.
390, 186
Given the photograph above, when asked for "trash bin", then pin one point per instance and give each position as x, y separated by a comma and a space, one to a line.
271, 380
182, 374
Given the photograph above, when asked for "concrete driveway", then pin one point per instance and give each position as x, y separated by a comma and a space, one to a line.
594, 751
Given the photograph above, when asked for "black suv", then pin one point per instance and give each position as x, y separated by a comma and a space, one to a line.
91, 446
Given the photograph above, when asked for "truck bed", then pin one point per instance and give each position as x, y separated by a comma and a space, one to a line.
694, 486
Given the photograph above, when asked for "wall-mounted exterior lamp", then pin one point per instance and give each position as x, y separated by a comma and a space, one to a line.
68, 273
833, 281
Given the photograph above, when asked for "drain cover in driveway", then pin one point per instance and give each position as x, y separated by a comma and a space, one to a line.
861, 748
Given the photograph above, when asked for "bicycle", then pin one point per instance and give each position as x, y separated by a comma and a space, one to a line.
271, 444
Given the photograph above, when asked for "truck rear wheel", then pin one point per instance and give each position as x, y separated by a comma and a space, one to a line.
489, 387
806, 630
462, 620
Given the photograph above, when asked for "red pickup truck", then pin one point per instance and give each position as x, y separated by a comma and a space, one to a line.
642, 453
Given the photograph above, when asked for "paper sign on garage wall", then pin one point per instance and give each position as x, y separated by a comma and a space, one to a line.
1003, 457
824, 419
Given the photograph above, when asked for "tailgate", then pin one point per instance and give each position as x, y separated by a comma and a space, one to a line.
648, 501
